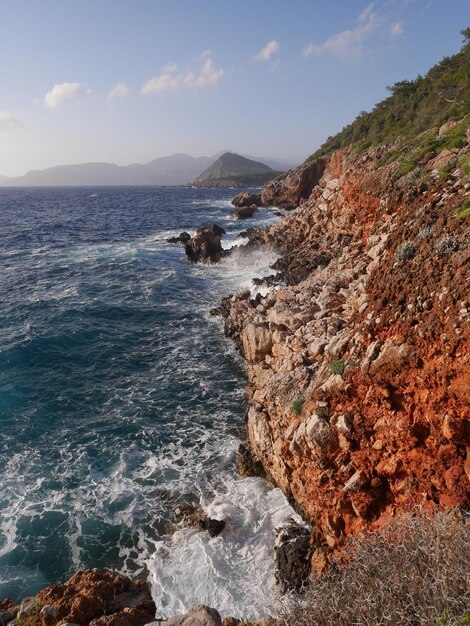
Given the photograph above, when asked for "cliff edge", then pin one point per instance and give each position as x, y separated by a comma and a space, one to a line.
358, 362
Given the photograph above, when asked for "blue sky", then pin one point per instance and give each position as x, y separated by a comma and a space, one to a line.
129, 80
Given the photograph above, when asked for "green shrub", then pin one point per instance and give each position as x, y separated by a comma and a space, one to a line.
413, 107
338, 367
297, 405
464, 209
406, 167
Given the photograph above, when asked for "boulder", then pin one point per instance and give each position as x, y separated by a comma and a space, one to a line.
244, 213
205, 246
195, 517
292, 556
199, 615
246, 199
91, 595
8, 611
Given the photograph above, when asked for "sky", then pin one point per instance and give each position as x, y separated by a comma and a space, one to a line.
127, 81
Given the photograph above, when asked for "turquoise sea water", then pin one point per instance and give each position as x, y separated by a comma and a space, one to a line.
119, 396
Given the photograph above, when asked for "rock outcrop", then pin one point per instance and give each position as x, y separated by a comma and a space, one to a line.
359, 364
195, 517
94, 597
287, 190
244, 212
206, 246
245, 199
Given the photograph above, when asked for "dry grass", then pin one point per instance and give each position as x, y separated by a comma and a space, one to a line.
414, 572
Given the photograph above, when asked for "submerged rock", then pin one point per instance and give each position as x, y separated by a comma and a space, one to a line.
195, 517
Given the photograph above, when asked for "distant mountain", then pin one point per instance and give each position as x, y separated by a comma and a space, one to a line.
178, 169
233, 170
170, 170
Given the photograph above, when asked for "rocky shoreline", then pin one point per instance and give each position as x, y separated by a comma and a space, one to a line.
358, 362
358, 368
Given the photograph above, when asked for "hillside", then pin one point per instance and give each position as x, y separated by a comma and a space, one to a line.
233, 170
413, 106
358, 364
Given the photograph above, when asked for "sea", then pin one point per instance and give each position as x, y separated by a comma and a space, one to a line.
120, 397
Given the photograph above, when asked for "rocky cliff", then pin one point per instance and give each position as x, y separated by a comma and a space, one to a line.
358, 362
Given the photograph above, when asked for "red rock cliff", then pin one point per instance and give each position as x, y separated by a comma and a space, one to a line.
358, 369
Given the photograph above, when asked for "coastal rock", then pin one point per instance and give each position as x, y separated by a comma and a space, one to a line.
8, 611
195, 517
86, 596
246, 199
292, 555
205, 246
287, 190
198, 615
247, 464
183, 237
358, 361
244, 212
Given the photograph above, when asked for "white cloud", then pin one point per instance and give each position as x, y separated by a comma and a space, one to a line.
60, 93
396, 29
170, 80
266, 53
349, 45
121, 90
9, 122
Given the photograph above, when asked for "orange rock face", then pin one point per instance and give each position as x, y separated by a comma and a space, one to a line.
97, 597
359, 369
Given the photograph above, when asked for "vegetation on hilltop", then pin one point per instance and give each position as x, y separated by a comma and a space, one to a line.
413, 106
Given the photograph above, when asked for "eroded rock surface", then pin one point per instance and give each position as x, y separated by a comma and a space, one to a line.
358, 364
206, 246
93, 597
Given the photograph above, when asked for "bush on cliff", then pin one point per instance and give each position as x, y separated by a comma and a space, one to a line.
413, 107
414, 572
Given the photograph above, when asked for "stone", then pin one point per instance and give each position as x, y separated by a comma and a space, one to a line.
246, 199
205, 246
287, 190
244, 212
320, 435
292, 556
357, 480
198, 615
257, 342
195, 517
126, 617
8, 611
247, 464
